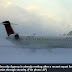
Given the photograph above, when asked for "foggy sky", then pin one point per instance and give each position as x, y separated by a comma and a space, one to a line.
30, 22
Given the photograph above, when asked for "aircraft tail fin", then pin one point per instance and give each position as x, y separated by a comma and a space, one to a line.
8, 27
70, 33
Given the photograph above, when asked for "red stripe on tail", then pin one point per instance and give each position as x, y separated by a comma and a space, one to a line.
8, 28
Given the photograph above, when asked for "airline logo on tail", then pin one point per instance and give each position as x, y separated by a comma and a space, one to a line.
8, 27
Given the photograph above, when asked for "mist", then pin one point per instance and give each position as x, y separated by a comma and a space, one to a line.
30, 23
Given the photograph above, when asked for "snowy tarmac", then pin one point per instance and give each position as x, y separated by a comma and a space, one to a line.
10, 53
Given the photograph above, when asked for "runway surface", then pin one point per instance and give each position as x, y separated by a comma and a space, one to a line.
10, 53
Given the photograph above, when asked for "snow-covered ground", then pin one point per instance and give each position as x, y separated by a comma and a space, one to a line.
10, 53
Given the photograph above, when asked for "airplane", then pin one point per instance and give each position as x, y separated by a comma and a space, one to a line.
33, 41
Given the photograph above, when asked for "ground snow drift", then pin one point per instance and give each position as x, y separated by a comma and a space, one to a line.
10, 53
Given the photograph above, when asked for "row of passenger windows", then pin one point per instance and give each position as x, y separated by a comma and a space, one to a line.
47, 39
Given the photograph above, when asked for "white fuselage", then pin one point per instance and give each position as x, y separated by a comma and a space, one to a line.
43, 41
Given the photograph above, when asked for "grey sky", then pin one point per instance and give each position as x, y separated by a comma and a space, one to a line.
46, 17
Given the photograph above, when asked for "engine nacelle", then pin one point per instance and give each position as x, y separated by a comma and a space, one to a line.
14, 36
